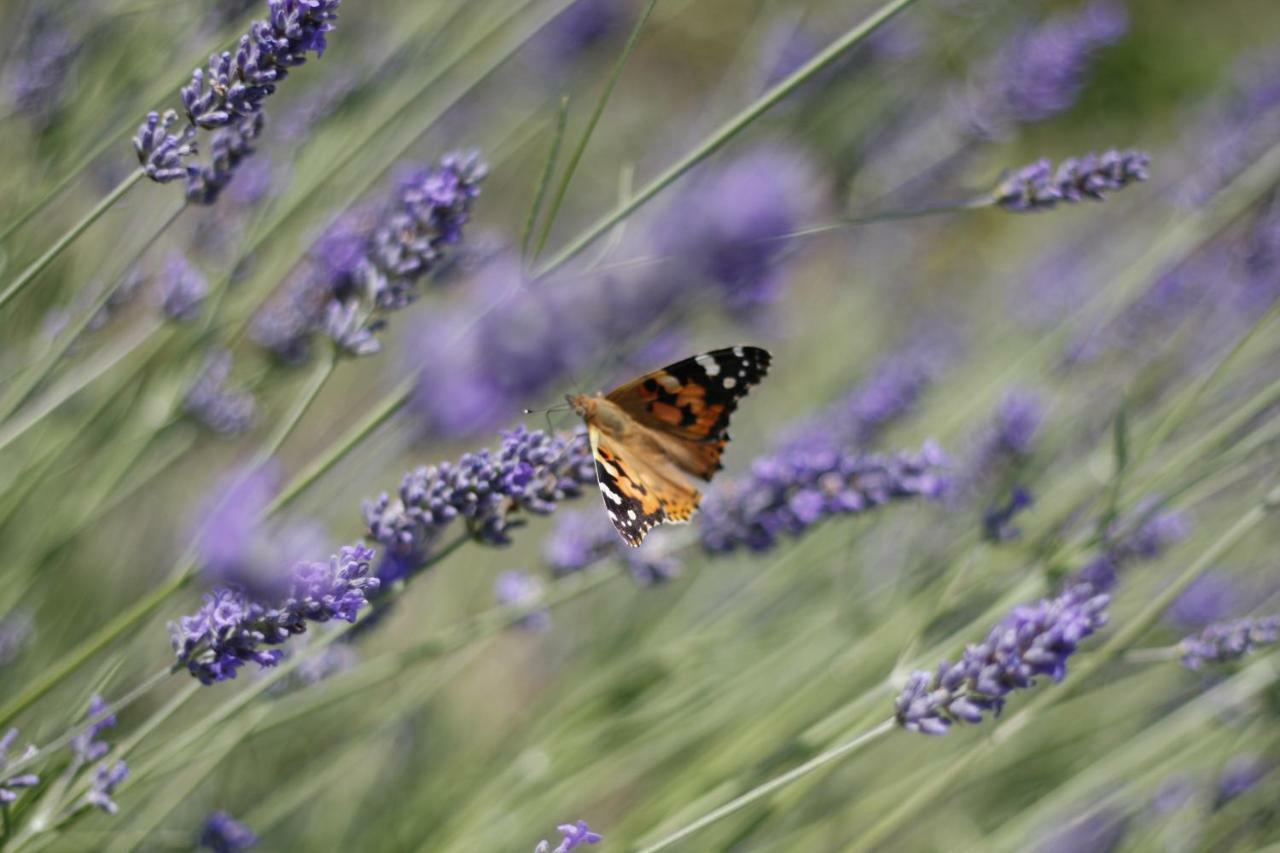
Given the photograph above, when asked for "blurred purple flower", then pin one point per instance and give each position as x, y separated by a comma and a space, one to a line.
487, 491
997, 522
1156, 531
584, 537
518, 588
1032, 641
582, 25
222, 833
1041, 71
1099, 831
1241, 774
86, 745
106, 778
727, 226
231, 628
182, 288
790, 491
1229, 641
213, 402
1211, 597
230, 146
11, 784
1037, 187
38, 70
574, 835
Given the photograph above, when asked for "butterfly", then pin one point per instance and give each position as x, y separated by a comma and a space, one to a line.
651, 435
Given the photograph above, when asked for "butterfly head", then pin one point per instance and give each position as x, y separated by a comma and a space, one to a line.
584, 404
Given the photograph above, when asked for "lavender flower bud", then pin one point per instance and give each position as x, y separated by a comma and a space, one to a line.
213, 402
183, 289
85, 745
1037, 187
222, 833
230, 146
9, 784
161, 153
106, 778
997, 522
1230, 641
1033, 641
346, 327
584, 537
575, 835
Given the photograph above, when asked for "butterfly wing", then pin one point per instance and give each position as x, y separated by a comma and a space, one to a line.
639, 493
691, 401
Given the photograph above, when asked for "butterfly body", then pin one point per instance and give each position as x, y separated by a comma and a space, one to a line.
653, 435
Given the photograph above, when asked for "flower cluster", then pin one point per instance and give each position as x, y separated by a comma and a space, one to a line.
997, 521
1041, 71
227, 96
38, 71
366, 265
222, 833
1155, 532
529, 473
575, 835
86, 745
10, 784
1227, 642
790, 491
232, 628
1034, 641
106, 778
1038, 187
213, 402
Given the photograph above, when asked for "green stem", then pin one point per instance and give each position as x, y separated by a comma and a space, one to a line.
27, 276
320, 375
720, 137
576, 157
544, 179
817, 762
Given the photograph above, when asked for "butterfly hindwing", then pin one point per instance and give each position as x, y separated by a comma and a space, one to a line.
693, 399
638, 495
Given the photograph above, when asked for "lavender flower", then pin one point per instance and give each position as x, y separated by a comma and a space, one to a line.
222, 833
1041, 71
37, 75
235, 85
160, 153
518, 588
727, 226
106, 778
1212, 597
1032, 642
488, 491
997, 522
213, 402
85, 745
231, 628
575, 835
229, 148
1152, 537
789, 492
1037, 187
1099, 831
183, 288
1221, 643
1241, 774
1015, 428
9, 784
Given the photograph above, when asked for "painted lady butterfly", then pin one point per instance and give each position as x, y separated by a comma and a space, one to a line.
651, 434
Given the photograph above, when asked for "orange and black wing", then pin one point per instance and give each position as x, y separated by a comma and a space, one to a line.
638, 495
694, 398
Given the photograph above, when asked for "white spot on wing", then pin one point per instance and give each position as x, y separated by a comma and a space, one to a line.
610, 494
738, 352
708, 364
631, 514
729, 382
